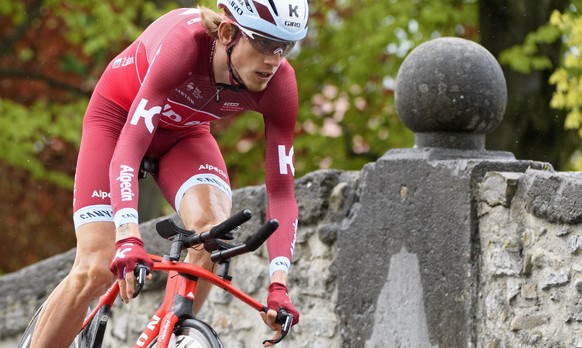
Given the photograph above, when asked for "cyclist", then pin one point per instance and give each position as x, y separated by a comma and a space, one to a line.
156, 99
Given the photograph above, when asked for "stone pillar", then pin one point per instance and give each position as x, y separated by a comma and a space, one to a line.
408, 251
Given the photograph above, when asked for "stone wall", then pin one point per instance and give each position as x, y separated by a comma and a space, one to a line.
526, 276
530, 283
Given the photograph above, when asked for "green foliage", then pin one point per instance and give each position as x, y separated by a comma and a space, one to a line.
14, 10
27, 131
525, 58
346, 70
99, 30
105, 25
567, 77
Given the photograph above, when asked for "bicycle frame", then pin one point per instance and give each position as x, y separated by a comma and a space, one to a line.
182, 278
181, 285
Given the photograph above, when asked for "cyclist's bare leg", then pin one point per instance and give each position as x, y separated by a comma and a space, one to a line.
62, 315
202, 207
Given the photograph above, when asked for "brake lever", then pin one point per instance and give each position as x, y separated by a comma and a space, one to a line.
141, 271
286, 320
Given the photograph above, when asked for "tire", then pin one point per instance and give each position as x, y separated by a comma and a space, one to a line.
90, 337
193, 333
26, 337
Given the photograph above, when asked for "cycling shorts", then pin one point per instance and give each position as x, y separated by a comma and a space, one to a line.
186, 158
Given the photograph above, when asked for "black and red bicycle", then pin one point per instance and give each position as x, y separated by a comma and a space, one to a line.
174, 324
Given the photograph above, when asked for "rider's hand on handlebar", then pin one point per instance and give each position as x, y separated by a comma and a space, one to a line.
129, 252
278, 298
269, 319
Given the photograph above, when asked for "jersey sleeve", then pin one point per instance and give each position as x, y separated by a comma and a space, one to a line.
280, 117
169, 65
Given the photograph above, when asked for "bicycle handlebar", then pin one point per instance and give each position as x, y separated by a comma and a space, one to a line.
255, 241
264, 232
220, 251
285, 319
167, 229
222, 230
140, 271
229, 224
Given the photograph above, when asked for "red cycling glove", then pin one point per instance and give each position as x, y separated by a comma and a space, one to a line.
279, 298
128, 253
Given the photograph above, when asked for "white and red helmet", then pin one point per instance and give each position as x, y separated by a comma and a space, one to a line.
281, 20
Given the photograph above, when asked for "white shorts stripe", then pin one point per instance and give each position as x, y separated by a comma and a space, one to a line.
93, 213
201, 179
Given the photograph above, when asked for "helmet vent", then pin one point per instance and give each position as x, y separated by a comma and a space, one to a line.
274, 7
264, 12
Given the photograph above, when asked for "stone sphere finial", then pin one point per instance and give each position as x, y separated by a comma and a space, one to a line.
450, 92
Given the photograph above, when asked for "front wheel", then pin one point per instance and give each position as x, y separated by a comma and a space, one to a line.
193, 333
90, 336
26, 337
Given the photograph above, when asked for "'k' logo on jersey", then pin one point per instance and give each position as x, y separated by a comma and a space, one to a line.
286, 160
147, 114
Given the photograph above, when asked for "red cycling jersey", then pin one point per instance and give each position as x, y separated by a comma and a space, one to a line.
157, 98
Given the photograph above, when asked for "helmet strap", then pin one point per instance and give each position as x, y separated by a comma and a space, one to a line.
233, 79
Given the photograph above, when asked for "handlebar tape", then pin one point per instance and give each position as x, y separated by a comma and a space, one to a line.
252, 243
229, 224
264, 232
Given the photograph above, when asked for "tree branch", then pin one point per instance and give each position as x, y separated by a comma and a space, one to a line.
18, 33
28, 75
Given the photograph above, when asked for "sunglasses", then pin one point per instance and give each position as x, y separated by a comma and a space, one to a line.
262, 44
269, 47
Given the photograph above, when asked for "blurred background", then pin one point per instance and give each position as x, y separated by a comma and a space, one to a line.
53, 52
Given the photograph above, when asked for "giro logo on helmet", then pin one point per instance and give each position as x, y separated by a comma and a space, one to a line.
236, 8
292, 24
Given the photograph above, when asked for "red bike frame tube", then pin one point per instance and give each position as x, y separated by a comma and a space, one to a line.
107, 299
202, 273
167, 327
150, 332
157, 327
163, 321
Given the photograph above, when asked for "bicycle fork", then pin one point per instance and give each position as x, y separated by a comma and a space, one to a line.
176, 306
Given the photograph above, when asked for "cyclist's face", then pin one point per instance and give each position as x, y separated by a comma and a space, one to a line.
253, 67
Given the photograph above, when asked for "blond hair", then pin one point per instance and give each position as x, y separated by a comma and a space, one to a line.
210, 20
